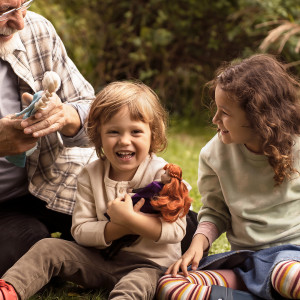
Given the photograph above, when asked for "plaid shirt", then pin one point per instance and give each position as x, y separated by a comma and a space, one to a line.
53, 168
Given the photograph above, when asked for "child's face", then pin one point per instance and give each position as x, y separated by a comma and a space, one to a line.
233, 124
126, 144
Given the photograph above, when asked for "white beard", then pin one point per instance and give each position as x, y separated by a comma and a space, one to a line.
11, 45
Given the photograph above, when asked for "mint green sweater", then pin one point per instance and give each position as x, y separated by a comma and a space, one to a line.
239, 197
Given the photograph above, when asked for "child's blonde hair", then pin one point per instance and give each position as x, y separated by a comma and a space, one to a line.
143, 105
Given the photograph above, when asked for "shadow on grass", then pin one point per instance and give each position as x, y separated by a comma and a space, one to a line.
58, 289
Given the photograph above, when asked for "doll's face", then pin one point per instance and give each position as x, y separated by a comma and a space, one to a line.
165, 178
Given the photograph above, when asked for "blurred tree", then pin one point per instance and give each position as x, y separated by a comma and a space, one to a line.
280, 26
173, 46
284, 36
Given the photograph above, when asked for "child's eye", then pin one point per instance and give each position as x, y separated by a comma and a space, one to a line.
136, 131
225, 113
112, 132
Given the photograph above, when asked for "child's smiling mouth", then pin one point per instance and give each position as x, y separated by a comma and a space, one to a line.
223, 131
125, 154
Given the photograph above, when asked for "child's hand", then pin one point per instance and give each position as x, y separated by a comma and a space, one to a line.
137, 207
120, 210
192, 256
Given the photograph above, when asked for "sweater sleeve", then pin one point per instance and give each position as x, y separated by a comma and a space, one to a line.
209, 230
214, 208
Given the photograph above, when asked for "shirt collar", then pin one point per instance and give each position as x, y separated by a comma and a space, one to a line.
19, 44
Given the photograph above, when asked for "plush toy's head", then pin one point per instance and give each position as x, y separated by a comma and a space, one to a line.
51, 82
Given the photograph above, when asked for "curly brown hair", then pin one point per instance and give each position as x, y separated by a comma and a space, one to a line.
270, 97
143, 105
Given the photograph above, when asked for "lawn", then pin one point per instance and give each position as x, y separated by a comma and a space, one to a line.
184, 145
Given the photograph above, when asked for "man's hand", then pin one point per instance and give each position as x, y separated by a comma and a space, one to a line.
55, 117
12, 138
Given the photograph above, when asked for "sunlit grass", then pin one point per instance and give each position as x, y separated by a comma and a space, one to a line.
184, 145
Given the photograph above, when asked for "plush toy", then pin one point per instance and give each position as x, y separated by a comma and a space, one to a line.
169, 198
51, 83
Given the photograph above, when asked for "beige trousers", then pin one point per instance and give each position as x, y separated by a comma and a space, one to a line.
126, 276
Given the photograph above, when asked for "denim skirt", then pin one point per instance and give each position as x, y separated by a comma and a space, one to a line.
253, 267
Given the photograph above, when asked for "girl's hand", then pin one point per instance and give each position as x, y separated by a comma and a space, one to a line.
191, 257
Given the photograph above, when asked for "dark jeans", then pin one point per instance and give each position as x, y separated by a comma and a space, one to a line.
23, 222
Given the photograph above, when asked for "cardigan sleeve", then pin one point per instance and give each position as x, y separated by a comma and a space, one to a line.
87, 229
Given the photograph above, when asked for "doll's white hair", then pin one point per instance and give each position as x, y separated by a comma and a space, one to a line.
51, 82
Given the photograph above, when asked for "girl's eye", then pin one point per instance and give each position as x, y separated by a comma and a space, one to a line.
222, 112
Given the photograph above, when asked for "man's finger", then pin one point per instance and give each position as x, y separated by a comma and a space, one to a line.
27, 98
17, 123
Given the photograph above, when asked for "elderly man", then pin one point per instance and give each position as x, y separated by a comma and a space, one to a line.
38, 199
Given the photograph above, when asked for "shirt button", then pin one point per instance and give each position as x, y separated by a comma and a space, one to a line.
121, 190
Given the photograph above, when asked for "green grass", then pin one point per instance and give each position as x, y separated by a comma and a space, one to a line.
184, 145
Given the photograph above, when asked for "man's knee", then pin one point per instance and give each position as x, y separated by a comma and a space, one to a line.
17, 236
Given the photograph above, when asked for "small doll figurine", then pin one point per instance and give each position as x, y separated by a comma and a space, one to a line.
51, 83
168, 197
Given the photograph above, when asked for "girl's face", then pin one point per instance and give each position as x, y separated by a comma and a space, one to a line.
233, 124
126, 144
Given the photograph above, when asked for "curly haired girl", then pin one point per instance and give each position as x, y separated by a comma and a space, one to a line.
250, 186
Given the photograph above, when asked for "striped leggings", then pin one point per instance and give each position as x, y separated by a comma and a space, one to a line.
285, 280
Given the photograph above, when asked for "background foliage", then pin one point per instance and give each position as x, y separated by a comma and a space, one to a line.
173, 46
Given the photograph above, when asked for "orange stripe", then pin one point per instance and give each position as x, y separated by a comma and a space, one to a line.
286, 271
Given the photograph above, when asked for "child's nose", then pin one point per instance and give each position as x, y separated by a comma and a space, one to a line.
216, 119
125, 139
